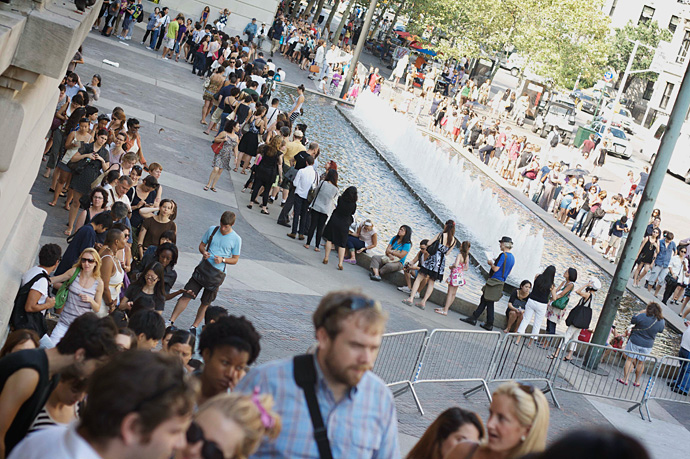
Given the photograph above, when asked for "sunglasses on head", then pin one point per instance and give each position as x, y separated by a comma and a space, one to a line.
209, 449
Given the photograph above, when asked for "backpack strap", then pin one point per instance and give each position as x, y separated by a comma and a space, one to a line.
304, 373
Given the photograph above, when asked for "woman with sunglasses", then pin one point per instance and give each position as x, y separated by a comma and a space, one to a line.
230, 425
517, 425
150, 284
85, 291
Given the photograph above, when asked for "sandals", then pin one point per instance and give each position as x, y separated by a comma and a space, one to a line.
440, 311
265, 212
565, 359
206, 188
636, 384
249, 206
550, 356
316, 249
325, 261
214, 190
420, 306
340, 267
622, 382
407, 301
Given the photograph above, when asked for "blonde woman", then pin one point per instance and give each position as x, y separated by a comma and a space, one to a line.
517, 425
231, 425
85, 292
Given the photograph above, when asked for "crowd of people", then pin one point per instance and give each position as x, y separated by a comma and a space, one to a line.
113, 379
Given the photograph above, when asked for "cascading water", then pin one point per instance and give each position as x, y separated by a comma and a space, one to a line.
473, 206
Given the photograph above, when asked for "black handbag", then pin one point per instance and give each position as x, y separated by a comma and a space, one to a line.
581, 315
433, 248
205, 274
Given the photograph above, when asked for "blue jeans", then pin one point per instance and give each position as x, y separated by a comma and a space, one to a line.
579, 220
683, 380
154, 38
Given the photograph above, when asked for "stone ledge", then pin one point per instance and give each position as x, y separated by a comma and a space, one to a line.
11, 28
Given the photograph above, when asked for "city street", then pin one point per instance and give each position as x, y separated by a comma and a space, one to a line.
277, 283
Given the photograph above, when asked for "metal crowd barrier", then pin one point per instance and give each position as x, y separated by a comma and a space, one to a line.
671, 382
398, 360
595, 370
458, 356
520, 357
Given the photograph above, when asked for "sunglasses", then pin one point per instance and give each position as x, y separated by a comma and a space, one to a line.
88, 260
210, 449
354, 303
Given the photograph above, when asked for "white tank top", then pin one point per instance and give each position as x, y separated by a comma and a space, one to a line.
115, 285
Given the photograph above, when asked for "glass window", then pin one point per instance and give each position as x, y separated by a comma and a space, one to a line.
646, 15
648, 90
668, 91
684, 46
673, 23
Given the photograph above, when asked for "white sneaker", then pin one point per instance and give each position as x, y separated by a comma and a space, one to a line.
404, 289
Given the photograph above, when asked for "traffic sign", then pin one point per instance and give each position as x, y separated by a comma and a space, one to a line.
608, 76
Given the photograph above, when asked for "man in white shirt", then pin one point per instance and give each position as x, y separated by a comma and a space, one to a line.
164, 21
38, 300
320, 59
259, 79
304, 180
119, 191
154, 406
272, 112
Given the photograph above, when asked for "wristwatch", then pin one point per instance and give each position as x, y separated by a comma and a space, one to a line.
223, 259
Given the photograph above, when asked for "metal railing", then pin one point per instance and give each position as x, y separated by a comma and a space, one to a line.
521, 357
458, 356
671, 382
398, 360
600, 371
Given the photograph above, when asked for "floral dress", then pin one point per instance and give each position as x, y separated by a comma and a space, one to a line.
456, 277
222, 159
436, 263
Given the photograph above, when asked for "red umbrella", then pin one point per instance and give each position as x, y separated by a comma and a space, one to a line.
416, 45
402, 33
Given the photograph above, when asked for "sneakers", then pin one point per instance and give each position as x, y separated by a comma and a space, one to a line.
405, 289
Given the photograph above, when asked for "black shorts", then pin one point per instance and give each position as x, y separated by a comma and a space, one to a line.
206, 298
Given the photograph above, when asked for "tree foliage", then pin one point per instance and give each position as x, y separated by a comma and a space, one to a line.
559, 38
621, 45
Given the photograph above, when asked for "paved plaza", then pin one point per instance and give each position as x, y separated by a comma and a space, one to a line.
277, 283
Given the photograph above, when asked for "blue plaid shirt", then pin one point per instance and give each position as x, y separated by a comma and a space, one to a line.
363, 424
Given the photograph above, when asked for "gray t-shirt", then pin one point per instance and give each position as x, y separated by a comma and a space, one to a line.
646, 328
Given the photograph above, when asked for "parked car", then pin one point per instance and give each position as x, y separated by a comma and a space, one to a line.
619, 142
556, 115
586, 103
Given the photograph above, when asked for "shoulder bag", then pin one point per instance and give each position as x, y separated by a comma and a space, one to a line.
20, 317
581, 315
562, 302
63, 291
205, 273
304, 373
493, 289
314, 193
433, 248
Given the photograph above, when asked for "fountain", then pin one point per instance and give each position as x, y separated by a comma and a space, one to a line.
446, 180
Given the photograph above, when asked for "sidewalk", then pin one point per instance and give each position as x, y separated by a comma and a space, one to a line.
277, 283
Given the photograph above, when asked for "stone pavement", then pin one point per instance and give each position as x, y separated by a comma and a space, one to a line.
277, 283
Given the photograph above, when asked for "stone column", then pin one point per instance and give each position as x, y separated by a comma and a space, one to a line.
37, 41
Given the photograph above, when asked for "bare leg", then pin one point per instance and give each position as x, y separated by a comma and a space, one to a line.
450, 297
639, 368
341, 257
415, 287
215, 180
327, 252
73, 211
200, 315
427, 293
180, 306
627, 368
512, 315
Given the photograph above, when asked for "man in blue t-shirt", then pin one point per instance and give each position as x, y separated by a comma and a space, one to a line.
656, 276
219, 247
499, 271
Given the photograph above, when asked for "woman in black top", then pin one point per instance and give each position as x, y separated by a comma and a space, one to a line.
142, 195
266, 171
151, 284
538, 300
516, 306
336, 230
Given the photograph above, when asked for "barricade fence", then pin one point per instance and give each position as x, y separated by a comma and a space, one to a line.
605, 372
398, 360
524, 358
458, 356
671, 381
419, 357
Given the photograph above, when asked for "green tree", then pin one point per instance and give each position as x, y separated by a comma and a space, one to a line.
621, 45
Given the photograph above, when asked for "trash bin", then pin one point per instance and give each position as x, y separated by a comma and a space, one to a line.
582, 135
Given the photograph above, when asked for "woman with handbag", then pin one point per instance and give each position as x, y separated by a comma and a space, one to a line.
538, 300
338, 225
432, 268
646, 326
224, 146
580, 317
81, 288
559, 302
86, 165
322, 207
250, 139
77, 133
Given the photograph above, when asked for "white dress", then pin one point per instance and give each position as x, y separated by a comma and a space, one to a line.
115, 285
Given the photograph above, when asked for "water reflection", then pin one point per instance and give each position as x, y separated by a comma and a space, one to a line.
384, 199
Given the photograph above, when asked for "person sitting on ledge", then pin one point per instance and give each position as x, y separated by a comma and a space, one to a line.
395, 255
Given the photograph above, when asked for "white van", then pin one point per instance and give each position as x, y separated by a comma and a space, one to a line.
680, 161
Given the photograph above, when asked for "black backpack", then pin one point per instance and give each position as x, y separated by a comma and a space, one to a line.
20, 318
555, 139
